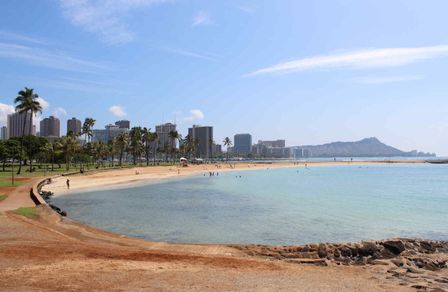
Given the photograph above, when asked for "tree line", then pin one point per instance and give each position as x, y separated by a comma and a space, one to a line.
136, 146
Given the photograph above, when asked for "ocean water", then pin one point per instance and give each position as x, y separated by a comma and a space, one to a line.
276, 206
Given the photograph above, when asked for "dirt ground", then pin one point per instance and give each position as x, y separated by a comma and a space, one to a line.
46, 253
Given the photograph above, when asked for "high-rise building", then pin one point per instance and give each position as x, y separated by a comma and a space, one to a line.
204, 137
4, 133
217, 149
108, 133
242, 144
74, 126
15, 123
275, 143
163, 133
272, 149
123, 124
50, 128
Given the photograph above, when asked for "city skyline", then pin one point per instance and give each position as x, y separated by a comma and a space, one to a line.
310, 73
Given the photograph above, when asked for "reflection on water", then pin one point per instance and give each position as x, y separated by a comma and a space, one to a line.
277, 206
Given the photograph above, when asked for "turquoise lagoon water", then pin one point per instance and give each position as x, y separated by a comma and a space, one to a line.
276, 206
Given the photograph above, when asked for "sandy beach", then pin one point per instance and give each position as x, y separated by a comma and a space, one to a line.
49, 252
107, 179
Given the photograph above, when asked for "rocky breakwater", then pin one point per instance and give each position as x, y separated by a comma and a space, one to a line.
421, 264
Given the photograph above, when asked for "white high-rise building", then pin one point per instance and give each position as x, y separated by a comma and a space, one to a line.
4, 133
15, 123
163, 132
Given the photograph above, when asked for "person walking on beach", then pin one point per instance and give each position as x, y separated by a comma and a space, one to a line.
68, 184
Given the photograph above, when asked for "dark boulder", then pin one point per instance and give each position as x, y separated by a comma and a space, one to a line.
322, 251
396, 247
367, 249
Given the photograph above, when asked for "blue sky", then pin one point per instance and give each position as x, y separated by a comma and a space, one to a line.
307, 71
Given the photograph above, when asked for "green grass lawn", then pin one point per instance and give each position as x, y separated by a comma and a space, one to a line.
2, 197
6, 182
44, 170
29, 212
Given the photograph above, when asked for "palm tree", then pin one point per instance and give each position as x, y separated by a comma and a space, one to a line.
68, 146
87, 129
122, 144
228, 143
101, 152
50, 148
146, 140
195, 146
190, 145
135, 143
27, 102
174, 137
112, 149
155, 142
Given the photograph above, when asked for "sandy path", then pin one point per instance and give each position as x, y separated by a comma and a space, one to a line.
18, 197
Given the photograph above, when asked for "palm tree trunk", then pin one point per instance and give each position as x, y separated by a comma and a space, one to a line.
154, 156
147, 155
21, 143
121, 156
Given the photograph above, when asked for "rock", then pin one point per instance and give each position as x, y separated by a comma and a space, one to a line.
368, 249
414, 271
398, 262
345, 251
336, 253
322, 251
427, 246
394, 246
317, 262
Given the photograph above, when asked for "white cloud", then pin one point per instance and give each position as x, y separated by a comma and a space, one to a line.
20, 37
5, 110
202, 18
370, 58
59, 112
117, 110
387, 79
43, 103
195, 115
46, 58
186, 53
106, 18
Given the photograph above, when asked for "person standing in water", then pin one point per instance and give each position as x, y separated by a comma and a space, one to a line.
68, 184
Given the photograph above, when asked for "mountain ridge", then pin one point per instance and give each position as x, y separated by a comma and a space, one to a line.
367, 147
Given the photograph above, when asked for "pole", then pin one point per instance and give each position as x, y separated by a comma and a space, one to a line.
12, 172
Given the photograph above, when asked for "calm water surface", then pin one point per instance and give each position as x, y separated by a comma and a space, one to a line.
277, 206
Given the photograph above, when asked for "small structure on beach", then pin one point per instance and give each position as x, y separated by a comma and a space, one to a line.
183, 162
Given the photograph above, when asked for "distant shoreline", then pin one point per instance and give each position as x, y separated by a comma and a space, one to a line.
124, 178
